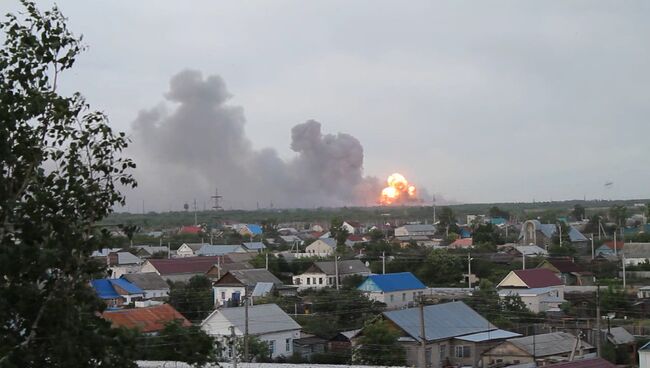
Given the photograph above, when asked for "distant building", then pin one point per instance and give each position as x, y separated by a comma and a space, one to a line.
150, 283
194, 230
148, 320
462, 243
568, 271
534, 232
396, 290
116, 292
539, 288
267, 322
416, 229
189, 249
322, 247
232, 287
323, 274
257, 247
180, 269
120, 263
636, 253
644, 356
250, 230
211, 250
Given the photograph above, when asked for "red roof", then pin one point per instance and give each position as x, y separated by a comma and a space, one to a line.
356, 238
462, 243
584, 363
183, 265
619, 244
566, 265
148, 319
190, 230
538, 277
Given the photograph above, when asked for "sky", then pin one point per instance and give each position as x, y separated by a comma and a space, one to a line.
498, 101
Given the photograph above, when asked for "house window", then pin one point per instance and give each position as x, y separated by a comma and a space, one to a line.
462, 352
443, 352
427, 357
320, 281
313, 280
331, 281
403, 297
223, 295
272, 346
287, 343
308, 281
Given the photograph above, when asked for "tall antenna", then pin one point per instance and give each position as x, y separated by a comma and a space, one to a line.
195, 219
216, 198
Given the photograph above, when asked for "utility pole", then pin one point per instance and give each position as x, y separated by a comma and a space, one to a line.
196, 222
598, 332
246, 298
599, 233
624, 284
169, 250
469, 270
593, 254
233, 341
615, 244
423, 338
523, 261
560, 227
267, 260
383, 263
336, 270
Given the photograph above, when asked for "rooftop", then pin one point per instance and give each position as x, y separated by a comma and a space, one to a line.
392, 282
263, 318
554, 343
148, 319
183, 265
538, 277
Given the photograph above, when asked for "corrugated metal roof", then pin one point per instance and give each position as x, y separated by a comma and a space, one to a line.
147, 281
262, 319
127, 258
554, 343
252, 277
395, 282
254, 245
531, 250
619, 335
217, 250
345, 267
489, 335
441, 321
254, 228
104, 289
183, 265
538, 277
636, 250
148, 319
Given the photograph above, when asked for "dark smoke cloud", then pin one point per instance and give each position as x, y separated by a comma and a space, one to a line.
185, 152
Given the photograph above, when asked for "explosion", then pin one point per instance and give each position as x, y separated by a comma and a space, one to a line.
398, 190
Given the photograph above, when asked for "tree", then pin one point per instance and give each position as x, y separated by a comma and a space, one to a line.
258, 350
60, 173
338, 232
578, 212
129, 231
618, 214
562, 232
194, 300
442, 268
179, 343
447, 221
378, 345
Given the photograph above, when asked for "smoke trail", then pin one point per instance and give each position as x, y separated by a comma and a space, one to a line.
200, 143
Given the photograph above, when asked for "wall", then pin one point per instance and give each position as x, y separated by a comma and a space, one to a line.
397, 300
319, 247
228, 290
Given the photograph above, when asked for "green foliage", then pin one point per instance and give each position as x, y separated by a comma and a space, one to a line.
486, 234
379, 334
258, 350
338, 232
578, 212
193, 300
178, 343
497, 212
567, 249
442, 268
562, 232
614, 299
447, 221
503, 312
618, 214
352, 281
60, 170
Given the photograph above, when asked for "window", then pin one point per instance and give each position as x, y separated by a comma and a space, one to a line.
320, 281
313, 280
403, 297
392, 298
427, 357
287, 343
443, 352
223, 295
308, 281
516, 361
462, 352
272, 346
331, 281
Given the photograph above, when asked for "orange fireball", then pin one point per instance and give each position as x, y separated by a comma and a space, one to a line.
398, 190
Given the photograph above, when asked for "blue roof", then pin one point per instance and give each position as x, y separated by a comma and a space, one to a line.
127, 286
464, 233
391, 282
489, 335
498, 221
441, 321
254, 245
104, 289
254, 228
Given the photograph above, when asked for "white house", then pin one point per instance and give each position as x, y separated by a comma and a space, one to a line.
151, 283
323, 274
233, 286
188, 249
266, 321
636, 253
416, 229
322, 247
537, 299
539, 288
644, 356
396, 290
121, 263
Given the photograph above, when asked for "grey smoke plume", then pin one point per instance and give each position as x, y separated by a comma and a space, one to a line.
200, 143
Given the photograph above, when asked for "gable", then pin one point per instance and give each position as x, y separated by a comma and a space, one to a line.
228, 279
369, 285
512, 280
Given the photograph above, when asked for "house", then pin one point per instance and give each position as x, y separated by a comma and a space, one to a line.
416, 229
257, 247
211, 250
150, 283
610, 248
308, 345
249, 230
148, 320
291, 240
636, 253
462, 243
322, 247
528, 251
454, 334
189, 249
232, 287
120, 263
539, 288
396, 290
267, 322
343, 341
193, 230
541, 349
116, 292
584, 363
644, 356
534, 232
323, 274
215, 272
179, 269
148, 251
568, 271
621, 338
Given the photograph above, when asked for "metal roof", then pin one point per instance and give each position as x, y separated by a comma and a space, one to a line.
217, 250
538, 277
419, 227
262, 288
104, 289
345, 267
584, 363
489, 335
254, 245
525, 292
147, 319
442, 321
147, 281
253, 276
636, 250
262, 319
554, 343
619, 335
531, 250
393, 282
126, 286
127, 258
